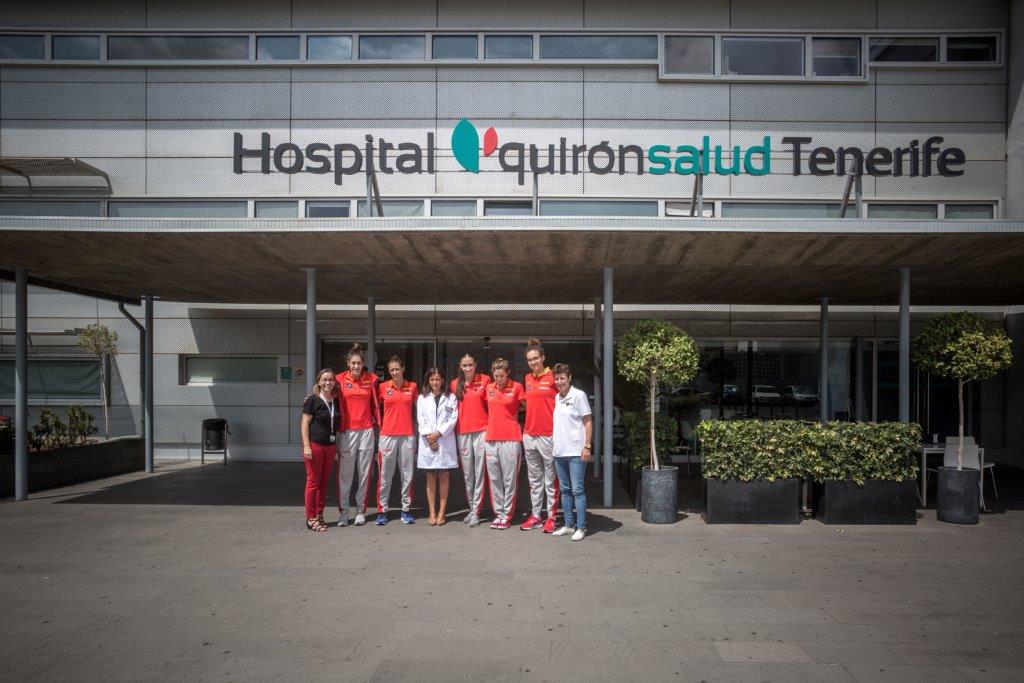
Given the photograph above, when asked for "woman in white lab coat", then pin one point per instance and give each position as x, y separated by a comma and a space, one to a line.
437, 412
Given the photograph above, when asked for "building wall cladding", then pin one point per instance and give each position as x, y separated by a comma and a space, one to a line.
167, 132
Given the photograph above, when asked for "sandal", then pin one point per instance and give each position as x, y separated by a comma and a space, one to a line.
441, 520
432, 521
315, 525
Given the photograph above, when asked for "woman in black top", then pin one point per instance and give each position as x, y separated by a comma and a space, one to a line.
321, 420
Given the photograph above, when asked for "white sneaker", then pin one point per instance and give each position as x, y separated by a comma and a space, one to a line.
562, 531
474, 520
343, 519
580, 533
360, 519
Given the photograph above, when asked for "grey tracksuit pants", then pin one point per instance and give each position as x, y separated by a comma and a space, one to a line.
356, 449
503, 458
394, 450
540, 471
474, 469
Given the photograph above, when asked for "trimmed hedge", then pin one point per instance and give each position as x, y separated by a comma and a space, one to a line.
782, 449
638, 437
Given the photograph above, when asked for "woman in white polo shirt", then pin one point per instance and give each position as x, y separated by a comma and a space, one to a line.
572, 445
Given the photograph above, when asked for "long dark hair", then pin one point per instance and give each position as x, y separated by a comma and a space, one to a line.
431, 371
460, 386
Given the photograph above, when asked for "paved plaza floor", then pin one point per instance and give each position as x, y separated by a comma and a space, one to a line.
207, 573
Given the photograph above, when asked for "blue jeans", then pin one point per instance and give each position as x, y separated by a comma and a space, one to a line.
572, 473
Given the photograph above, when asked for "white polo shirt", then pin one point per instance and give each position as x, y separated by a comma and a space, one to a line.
569, 435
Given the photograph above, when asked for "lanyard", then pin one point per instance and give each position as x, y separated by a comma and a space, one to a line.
330, 407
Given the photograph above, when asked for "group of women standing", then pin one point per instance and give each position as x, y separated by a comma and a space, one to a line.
472, 422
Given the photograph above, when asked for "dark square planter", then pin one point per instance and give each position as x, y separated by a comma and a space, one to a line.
730, 501
876, 502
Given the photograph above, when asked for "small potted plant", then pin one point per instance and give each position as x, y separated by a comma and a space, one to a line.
100, 341
965, 347
654, 352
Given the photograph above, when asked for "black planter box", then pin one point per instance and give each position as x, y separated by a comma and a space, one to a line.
876, 502
64, 466
730, 501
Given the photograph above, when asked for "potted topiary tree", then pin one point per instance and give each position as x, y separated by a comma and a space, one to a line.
965, 347
100, 341
652, 352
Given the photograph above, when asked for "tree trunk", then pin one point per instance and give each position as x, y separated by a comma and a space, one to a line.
655, 464
103, 395
960, 446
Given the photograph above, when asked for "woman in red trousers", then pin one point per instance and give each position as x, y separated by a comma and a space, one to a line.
321, 421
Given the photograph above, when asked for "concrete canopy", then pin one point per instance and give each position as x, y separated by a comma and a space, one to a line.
525, 260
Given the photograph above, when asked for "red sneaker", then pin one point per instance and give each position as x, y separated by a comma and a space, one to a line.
549, 525
505, 524
532, 522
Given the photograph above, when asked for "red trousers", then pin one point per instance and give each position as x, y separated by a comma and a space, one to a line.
318, 473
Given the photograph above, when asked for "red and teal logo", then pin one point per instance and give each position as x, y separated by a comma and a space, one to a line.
466, 145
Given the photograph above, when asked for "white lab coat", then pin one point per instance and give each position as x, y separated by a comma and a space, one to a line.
437, 417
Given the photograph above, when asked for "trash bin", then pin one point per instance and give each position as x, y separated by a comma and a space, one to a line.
214, 439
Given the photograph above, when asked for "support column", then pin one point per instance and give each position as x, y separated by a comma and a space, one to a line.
598, 421
20, 384
311, 367
858, 379
608, 374
823, 366
148, 390
371, 333
904, 350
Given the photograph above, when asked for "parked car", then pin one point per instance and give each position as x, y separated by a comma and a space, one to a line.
799, 396
766, 394
729, 395
687, 396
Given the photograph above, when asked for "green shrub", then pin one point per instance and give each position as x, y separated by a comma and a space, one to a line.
51, 432
783, 449
6, 428
638, 443
857, 451
759, 449
80, 424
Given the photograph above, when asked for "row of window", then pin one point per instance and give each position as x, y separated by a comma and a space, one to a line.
710, 55
398, 208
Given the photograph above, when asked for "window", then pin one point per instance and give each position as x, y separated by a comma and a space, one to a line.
177, 209
677, 209
72, 379
585, 207
277, 209
327, 209
158, 48
969, 211
76, 47
599, 47
453, 207
21, 47
913, 211
751, 56
508, 208
904, 49
971, 49
836, 56
780, 210
394, 208
508, 47
329, 47
690, 55
392, 47
49, 208
228, 369
277, 47
454, 47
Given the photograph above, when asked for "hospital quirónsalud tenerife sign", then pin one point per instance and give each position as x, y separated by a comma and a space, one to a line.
915, 159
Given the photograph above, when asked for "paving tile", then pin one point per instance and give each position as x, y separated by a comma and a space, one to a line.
850, 653
905, 673
760, 651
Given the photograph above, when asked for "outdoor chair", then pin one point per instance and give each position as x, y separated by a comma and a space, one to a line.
971, 461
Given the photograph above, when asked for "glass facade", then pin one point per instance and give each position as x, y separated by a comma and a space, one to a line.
690, 55
158, 48
599, 47
76, 47
454, 47
328, 47
228, 369
392, 47
762, 56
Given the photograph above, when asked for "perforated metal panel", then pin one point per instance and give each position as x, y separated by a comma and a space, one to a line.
74, 14
941, 14
978, 140
208, 177
354, 131
61, 74
510, 74
803, 14
980, 179
510, 13
384, 14
942, 103
686, 101
249, 425
219, 14
217, 100
510, 100
221, 74
799, 102
353, 74
656, 13
647, 133
857, 134
265, 334
621, 74
63, 100
939, 76
73, 138
780, 184
127, 176
166, 138
411, 100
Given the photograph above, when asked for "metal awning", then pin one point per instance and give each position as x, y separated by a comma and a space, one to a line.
49, 176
